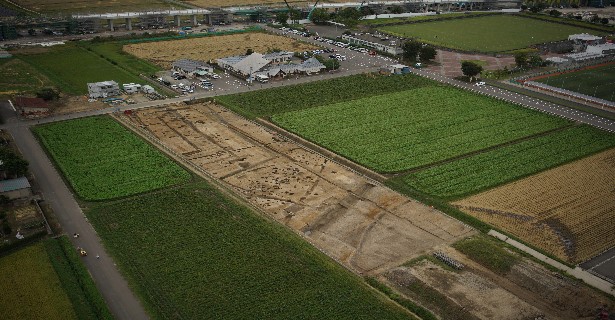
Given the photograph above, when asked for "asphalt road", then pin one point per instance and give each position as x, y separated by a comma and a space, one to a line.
603, 265
122, 303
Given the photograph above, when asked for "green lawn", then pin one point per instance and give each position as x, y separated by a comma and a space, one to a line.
71, 68
487, 170
596, 82
408, 129
113, 52
191, 253
264, 103
487, 34
40, 282
103, 160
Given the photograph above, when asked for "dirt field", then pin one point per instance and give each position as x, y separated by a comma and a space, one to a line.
163, 53
528, 291
567, 211
362, 224
74, 104
91, 5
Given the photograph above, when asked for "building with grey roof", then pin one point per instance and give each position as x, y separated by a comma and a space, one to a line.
103, 89
16, 188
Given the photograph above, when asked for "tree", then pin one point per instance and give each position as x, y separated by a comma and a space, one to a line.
320, 16
32, 32
604, 21
521, 59
427, 53
48, 94
332, 64
411, 49
366, 11
14, 165
471, 69
295, 15
397, 10
282, 18
555, 13
523, 7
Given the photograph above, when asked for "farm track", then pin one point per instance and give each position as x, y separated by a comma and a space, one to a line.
358, 222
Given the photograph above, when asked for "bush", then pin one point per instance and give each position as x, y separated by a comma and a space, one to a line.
48, 94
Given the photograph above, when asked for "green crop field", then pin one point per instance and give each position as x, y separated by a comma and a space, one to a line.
71, 68
113, 51
47, 280
486, 170
103, 160
191, 253
408, 129
487, 34
596, 82
263, 103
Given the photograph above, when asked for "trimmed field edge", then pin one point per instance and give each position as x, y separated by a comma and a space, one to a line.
406, 303
75, 279
82, 200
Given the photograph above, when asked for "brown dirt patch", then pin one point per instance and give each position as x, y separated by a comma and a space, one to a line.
362, 224
163, 53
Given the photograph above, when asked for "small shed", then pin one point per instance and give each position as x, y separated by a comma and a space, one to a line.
31, 105
131, 88
395, 69
16, 188
148, 89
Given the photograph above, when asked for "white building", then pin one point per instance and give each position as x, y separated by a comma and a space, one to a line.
148, 89
311, 65
131, 88
192, 67
103, 89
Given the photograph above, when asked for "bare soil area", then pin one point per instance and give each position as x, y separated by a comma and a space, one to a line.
359, 222
528, 291
163, 53
73, 104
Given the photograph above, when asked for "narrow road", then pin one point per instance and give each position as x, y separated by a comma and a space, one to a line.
113, 287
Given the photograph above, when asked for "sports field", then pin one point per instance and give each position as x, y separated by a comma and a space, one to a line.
71, 67
103, 160
487, 34
597, 82
92, 6
408, 129
192, 253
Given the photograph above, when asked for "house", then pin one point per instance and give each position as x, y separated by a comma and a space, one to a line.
31, 105
582, 40
191, 67
131, 88
279, 57
311, 65
16, 188
103, 89
244, 65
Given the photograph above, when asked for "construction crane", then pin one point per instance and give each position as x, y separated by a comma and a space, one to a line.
311, 11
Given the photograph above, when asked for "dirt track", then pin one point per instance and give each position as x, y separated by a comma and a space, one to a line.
357, 221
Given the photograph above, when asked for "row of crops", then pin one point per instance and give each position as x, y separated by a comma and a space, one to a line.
412, 128
103, 160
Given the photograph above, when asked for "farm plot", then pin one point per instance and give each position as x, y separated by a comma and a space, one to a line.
102, 160
492, 168
264, 103
28, 279
487, 34
194, 254
596, 82
567, 211
362, 224
404, 130
91, 6
71, 67
20, 77
163, 53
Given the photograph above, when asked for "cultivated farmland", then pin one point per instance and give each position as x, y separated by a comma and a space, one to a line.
91, 6
163, 53
71, 67
594, 81
487, 34
192, 253
102, 160
20, 77
31, 288
404, 130
534, 209
265, 103
492, 168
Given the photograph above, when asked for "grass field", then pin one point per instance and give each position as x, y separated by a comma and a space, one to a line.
31, 289
596, 82
487, 34
378, 21
71, 68
408, 129
103, 160
113, 51
192, 253
92, 6
264, 103
20, 77
567, 211
489, 169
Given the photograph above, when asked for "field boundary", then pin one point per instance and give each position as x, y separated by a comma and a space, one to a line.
577, 272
